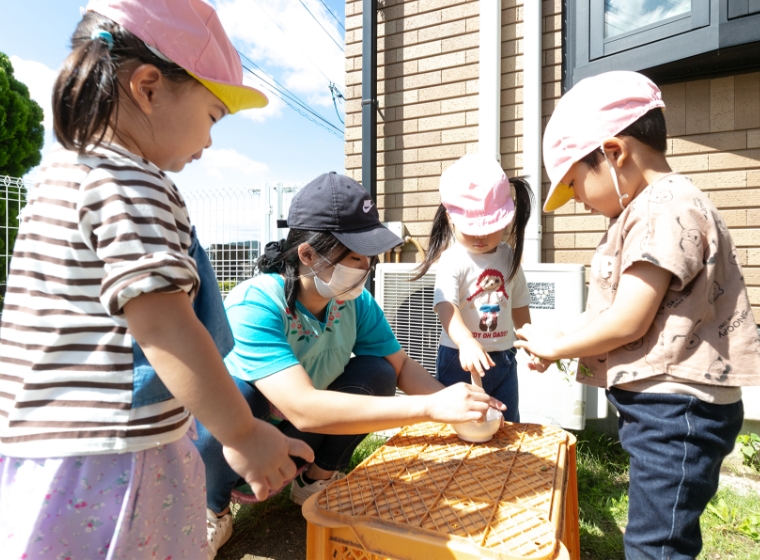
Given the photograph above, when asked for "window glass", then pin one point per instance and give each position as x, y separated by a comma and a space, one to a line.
621, 16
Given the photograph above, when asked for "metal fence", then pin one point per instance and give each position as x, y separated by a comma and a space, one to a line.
12, 200
232, 225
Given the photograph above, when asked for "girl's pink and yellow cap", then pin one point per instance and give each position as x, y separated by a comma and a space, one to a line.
476, 193
594, 110
189, 33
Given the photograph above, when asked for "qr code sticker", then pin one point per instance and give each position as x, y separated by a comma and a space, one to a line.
541, 295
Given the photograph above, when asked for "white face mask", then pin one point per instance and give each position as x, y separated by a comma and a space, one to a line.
614, 179
346, 283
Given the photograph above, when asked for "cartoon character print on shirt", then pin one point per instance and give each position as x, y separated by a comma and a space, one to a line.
661, 196
688, 236
718, 370
603, 266
715, 292
488, 296
692, 339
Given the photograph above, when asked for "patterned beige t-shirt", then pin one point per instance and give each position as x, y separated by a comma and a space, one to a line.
704, 333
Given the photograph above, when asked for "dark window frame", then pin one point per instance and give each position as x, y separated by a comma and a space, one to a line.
716, 37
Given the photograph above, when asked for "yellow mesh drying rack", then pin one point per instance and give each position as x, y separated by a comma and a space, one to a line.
426, 494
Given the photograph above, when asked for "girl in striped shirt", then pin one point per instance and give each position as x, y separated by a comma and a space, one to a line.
113, 329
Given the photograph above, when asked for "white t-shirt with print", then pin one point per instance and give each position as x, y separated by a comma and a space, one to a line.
475, 283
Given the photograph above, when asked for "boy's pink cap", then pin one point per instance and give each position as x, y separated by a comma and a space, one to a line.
189, 33
476, 193
594, 110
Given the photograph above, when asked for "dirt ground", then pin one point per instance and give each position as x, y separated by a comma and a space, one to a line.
270, 531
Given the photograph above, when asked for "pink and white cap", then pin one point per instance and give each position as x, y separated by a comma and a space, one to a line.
189, 33
594, 110
476, 193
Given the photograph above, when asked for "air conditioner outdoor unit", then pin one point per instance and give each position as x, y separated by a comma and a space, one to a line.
557, 297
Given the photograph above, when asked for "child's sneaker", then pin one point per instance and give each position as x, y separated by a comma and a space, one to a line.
300, 491
219, 530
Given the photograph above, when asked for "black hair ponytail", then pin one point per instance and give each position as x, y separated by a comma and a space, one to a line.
440, 237
524, 199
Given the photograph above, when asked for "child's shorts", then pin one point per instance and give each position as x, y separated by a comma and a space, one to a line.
148, 504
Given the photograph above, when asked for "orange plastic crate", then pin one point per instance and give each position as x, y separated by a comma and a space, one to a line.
426, 494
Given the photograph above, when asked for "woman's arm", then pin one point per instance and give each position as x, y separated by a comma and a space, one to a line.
332, 412
184, 356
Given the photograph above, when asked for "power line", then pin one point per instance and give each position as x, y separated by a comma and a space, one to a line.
301, 109
283, 32
333, 15
341, 47
335, 93
291, 99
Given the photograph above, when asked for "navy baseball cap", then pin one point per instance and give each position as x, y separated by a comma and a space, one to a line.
342, 206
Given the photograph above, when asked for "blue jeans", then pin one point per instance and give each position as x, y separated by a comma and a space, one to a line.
363, 375
500, 381
677, 444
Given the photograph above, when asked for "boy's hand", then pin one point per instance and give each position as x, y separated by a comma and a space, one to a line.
539, 364
263, 458
539, 342
473, 358
461, 402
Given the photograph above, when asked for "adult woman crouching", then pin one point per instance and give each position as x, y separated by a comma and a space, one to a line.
313, 351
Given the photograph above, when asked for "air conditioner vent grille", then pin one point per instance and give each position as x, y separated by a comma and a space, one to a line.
409, 309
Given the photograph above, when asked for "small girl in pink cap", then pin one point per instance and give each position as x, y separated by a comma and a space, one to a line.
113, 329
668, 330
481, 295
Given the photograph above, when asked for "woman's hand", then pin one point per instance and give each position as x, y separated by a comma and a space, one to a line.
473, 358
460, 403
263, 458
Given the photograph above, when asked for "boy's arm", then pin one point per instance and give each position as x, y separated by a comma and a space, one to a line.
640, 292
472, 357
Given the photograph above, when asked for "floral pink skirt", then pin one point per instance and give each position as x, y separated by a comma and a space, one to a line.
148, 504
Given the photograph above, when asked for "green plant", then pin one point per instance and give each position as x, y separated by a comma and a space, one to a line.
750, 448
225, 286
21, 128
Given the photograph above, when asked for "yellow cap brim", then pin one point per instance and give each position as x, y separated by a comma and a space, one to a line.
235, 98
558, 197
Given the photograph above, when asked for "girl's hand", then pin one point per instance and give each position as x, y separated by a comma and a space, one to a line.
473, 358
540, 342
460, 403
263, 458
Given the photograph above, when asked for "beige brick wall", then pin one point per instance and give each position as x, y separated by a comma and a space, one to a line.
427, 89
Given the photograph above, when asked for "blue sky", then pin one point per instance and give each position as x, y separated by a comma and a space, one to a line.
288, 42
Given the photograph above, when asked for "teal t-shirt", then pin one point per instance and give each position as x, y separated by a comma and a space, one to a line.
270, 338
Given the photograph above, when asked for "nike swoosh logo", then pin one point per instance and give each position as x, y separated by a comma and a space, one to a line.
367, 206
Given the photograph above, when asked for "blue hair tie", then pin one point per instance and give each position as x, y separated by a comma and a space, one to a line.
105, 35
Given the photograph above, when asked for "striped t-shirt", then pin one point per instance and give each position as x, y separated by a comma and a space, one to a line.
97, 231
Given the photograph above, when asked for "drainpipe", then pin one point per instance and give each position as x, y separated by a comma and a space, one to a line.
369, 97
532, 125
489, 79
369, 106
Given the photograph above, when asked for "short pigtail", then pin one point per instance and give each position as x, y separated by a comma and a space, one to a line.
440, 237
524, 200
86, 95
